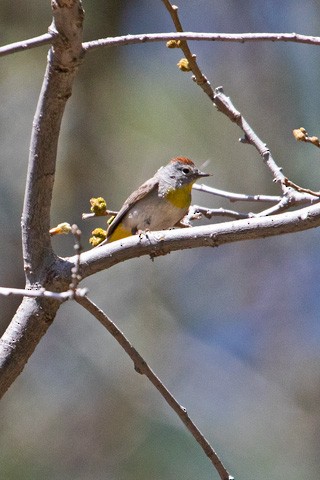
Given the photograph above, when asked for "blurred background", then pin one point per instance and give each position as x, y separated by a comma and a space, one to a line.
233, 332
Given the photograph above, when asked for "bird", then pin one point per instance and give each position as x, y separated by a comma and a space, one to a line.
159, 203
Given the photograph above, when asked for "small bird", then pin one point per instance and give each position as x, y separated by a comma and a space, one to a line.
159, 203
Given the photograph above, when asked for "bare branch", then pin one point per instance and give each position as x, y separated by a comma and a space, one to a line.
163, 242
63, 63
200, 36
199, 78
107, 213
36, 293
143, 368
41, 292
224, 104
292, 197
122, 40
289, 183
27, 44
236, 197
283, 205
42, 267
218, 212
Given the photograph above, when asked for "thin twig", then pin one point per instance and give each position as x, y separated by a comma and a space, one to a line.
86, 216
200, 36
27, 44
75, 275
236, 197
283, 205
224, 104
62, 296
289, 200
143, 368
289, 183
47, 38
199, 77
219, 212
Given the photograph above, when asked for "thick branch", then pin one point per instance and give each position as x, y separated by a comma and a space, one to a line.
63, 62
22, 336
34, 316
163, 242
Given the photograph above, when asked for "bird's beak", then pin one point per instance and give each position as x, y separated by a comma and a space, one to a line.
203, 174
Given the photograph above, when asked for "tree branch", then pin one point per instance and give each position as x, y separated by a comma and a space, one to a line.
63, 61
42, 268
236, 197
225, 105
218, 212
122, 40
143, 368
163, 242
62, 296
200, 36
27, 44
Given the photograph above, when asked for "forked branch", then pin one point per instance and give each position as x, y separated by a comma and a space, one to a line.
42, 267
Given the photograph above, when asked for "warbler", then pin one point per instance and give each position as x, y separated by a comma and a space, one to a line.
159, 203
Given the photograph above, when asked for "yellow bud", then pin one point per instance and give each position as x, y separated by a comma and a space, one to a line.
300, 134
61, 229
98, 235
183, 65
173, 43
98, 205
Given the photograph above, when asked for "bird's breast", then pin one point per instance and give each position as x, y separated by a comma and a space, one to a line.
158, 212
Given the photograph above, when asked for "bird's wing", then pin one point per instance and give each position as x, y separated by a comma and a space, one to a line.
147, 187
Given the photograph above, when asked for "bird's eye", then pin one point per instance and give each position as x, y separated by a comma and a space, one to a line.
186, 170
